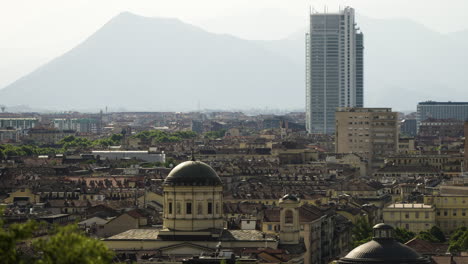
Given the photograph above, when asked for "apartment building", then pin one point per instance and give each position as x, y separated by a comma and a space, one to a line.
414, 217
369, 132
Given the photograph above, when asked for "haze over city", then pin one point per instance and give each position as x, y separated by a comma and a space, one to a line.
34, 33
233, 132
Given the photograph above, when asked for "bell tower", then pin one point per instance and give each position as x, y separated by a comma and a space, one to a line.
289, 220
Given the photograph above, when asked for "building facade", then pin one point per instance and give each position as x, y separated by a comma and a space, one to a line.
334, 68
451, 210
465, 159
368, 132
441, 110
408, 127
410, 216
18, 123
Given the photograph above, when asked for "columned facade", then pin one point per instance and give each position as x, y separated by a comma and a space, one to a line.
193, 208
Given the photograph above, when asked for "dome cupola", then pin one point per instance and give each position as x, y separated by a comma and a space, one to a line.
383, 249
192, 173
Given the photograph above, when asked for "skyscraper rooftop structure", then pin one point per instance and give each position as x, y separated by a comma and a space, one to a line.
334, 68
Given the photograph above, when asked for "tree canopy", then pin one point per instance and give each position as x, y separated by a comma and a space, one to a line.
458, 241
70, 245
65, 245
163, 136
434, 235
361, 232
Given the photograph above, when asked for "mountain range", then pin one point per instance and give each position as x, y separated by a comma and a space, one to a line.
159, 64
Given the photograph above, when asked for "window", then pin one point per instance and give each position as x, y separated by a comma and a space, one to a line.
288, 218
170, 208
417, 214
217, 208
445, 213
177, 208
200, 209
188, 208
454, 212
270, 227
406, 215
464, 212
210, 207
426, 215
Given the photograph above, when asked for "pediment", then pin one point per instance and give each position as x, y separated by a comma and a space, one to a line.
186, 249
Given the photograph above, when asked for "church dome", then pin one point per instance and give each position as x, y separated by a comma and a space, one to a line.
192, 173
383, 249
290, 197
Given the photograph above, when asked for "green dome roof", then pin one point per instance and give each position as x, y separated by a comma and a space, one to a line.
192, 173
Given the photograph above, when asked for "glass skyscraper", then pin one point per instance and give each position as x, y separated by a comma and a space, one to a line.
334, 68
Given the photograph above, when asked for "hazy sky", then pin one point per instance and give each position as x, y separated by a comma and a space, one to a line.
33, 32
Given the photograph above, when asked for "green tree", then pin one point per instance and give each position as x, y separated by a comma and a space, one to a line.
458, 241
215, 134
361, 232
9, 238
437, 233
426, 235
66, 245
70, 245
402, 235
434, 235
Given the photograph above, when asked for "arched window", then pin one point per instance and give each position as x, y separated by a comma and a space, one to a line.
288, 218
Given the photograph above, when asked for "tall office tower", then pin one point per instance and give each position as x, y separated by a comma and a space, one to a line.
334, 68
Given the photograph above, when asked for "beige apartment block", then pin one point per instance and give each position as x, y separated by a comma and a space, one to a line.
371, 133
414, 217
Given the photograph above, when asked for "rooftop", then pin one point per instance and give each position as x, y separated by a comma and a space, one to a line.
136, 234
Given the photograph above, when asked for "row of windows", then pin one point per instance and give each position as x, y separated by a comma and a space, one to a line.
454, 212
189, 209
407, 215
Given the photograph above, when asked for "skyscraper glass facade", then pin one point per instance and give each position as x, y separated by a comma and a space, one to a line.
334, 68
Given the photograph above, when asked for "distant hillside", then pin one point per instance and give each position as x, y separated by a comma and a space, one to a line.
140, 63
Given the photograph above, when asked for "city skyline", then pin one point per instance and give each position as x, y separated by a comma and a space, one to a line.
21, 55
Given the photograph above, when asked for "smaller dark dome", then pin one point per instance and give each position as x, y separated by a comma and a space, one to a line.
382, 226
192, 173
290, 197
383, 249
